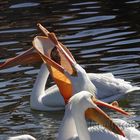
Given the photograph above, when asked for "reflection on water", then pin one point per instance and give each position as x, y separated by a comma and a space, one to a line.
102, 35
24, 5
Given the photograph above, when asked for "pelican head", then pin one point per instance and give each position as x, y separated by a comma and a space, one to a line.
83, 104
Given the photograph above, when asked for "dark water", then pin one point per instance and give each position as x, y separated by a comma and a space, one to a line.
103, 36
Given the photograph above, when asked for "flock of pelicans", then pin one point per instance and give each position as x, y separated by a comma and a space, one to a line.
81, 94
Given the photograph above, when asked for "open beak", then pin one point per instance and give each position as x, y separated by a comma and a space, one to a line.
46, 32
31, 56
116, 108
98, 115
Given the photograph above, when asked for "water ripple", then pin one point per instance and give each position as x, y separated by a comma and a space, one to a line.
129, 41
17, 31
24, 5
125, 50
91, 32
90, 20
114, 35
8, 43
93, 43
84, 3
117, 58
133, 1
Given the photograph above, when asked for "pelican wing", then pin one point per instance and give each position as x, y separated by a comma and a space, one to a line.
53, 98
107, 85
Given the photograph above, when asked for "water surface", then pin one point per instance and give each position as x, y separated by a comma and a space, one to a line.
103, 36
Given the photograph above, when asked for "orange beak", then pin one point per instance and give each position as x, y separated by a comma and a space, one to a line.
30, 56
96, 114
116, 108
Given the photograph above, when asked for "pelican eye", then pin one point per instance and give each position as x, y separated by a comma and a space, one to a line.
93, 98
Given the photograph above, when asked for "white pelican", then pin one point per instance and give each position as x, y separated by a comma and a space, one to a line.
68, 75
22, 137
73, 125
